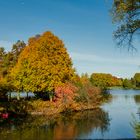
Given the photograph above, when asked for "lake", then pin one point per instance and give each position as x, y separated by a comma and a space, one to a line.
113, 120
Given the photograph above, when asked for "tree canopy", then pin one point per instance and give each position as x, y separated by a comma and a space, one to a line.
43, 64
7, 62
127, 14
127, 83
137, 79
105, 80
9, 59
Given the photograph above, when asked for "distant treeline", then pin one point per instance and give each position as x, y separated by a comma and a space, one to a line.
107, 80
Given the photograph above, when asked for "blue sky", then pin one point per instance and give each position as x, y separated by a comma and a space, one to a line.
85, 26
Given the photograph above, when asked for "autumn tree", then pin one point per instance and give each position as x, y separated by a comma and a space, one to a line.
7, 62
2, 54
137, 79
126, 13
9, 59
43, 65
127, 84
105, 80
66, 93
17, 49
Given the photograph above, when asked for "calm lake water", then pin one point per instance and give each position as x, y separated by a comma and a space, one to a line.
114, 120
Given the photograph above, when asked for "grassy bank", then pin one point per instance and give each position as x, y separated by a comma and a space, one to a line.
50, 108
40, 107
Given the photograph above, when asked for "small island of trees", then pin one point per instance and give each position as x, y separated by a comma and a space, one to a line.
43, 67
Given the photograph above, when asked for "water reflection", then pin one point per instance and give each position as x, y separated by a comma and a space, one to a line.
137, 99
94, 124
59, 127
136, 122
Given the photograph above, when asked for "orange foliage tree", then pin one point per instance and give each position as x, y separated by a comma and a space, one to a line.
43, 65
66, 93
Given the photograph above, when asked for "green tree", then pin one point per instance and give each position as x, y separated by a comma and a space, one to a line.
2, 52
9, 59
126, 13
7, 62
133, 81
17, 49
2, 55
43, 65
137, 79
127, 83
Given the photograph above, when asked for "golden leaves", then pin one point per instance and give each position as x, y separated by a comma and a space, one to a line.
43, 64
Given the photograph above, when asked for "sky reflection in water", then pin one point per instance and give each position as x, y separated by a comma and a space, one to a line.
113, 120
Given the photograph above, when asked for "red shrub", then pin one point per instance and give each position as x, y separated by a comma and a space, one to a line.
66, 92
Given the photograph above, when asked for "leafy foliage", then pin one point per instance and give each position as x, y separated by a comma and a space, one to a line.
7, 62
137, 79
127, 14
127, 83
87, 93
66, 92
43, 65
16, 50
105, 80
9, 59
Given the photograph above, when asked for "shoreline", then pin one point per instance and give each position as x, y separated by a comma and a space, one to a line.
70, 109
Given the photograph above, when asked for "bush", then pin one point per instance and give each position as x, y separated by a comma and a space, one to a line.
66, 93
127, 84
88, 93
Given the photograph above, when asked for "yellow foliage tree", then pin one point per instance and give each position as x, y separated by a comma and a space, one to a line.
43, 65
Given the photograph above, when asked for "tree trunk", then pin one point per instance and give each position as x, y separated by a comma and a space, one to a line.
50, 99
27, 95
18, 96
9, 96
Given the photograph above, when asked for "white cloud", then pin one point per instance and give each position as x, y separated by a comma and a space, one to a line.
96, 58
6, 44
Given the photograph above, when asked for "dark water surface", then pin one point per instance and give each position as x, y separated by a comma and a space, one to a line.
114, 120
